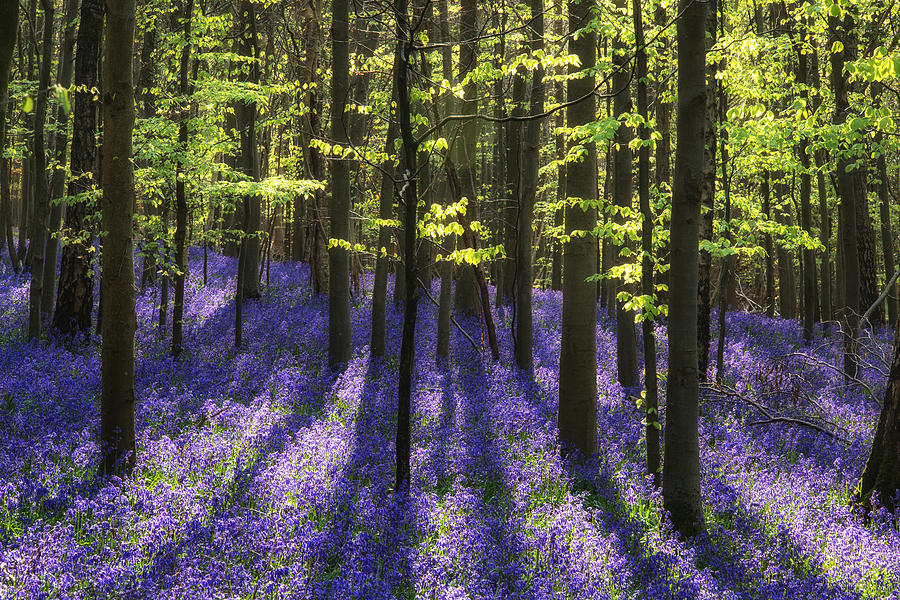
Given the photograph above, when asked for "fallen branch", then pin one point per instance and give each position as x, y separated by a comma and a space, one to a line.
452, 320
839, 370
880, 299
771, 417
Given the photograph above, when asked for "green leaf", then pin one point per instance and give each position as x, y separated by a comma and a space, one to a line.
27, 104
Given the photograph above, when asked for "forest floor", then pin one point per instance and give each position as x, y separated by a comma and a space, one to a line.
262, 475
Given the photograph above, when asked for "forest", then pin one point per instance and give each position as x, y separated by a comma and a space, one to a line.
446, 299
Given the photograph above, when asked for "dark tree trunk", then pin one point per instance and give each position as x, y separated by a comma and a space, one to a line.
117, 275
9, 22
882, 472
827, 312
770, 247
887, 236
249, 47
651, 399
339, 347
530, 167
58, 182
75, 293
385, 212
626, 340
41, 191
810, 301
465, 300
708, 200
681, 471
578, 352
181, 212
445, 301
843, 31
410, 198
865, 236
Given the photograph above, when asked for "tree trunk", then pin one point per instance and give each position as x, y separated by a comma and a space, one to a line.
58, 185
847, 193
809, 258
41, 191
651, 399
249, 46
410, 197
626, 340
887, 236
578, 352
882, 472
339, 348
770, 247
530, 167
9, 22
75, 293
827, 312
681, 471
181, 212
708, 200
465, 299
117, 278
442, 350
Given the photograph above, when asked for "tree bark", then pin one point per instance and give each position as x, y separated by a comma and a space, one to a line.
181, 212
117, 278
708, 199
651, 399
525, 218
41, 191
58, 181
339, 347
75, 292
626, 340
882, 472
9, 23
843, 31
578, 352
465, 300
681, 470
887, 236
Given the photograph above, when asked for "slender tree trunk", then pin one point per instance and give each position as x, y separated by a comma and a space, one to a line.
663, 106
787, 297
442, 350
810, 301
249, 156
58, 181
75, 292
530, 166
9, 22
465, 299
827, 313
385, 212
651, 400
887, 236
41, 191
181, 212
559, 213
708, 200
681, 471
626, 340
515, 149
843, 31
770, 247
410, 198
578, 352
117, 279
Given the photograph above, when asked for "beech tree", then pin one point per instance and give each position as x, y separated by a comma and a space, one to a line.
117, 267
681, 468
